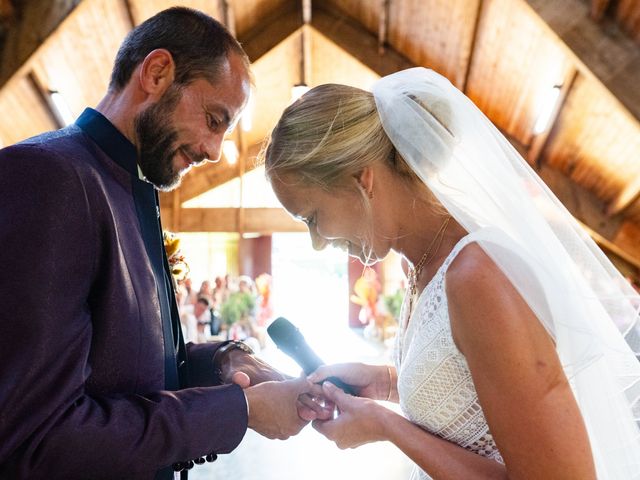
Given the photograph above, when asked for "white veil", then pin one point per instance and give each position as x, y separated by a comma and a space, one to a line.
575, 291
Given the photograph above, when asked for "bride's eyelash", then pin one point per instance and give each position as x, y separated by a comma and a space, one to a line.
309, 220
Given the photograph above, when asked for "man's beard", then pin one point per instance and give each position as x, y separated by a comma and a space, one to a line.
156, 138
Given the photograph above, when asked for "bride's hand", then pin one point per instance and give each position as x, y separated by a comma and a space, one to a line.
377, 382
359, 420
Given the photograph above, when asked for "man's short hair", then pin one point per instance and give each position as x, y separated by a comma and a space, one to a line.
204, 301
198, 43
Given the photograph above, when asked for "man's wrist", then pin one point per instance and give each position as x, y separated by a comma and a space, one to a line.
222, 354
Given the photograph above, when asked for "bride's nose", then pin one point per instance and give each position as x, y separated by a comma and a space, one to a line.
317, 241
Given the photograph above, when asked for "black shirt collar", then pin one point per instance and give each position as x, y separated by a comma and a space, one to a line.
109, 139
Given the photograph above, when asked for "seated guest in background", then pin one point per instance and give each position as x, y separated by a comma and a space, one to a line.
220, 292
202, 315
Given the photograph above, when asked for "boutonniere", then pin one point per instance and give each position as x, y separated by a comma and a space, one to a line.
177, 264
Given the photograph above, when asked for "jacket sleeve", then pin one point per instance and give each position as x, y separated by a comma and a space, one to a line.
49, 426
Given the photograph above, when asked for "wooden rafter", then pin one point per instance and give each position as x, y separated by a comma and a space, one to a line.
609, 233
608, 54
383, 25
625, 198
357, 41
229, 17
274, 30
7, 9
212, 175
468, 61
598, 9
255, 220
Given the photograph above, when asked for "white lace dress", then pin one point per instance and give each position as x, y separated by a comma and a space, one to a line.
434, 382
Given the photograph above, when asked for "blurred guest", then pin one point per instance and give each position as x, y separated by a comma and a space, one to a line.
202, 314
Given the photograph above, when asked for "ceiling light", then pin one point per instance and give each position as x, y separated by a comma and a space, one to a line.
230, 151
546, 108
61, 108
246, 121
298, 90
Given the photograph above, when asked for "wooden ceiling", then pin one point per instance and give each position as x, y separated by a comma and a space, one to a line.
504, 54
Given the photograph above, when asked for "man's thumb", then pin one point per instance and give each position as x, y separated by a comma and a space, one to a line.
242, 379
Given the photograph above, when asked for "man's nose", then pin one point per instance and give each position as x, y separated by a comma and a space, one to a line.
212, 148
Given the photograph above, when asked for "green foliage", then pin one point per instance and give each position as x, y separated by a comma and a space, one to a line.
239, 305
393, 303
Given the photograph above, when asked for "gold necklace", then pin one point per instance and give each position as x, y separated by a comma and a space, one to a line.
414, 273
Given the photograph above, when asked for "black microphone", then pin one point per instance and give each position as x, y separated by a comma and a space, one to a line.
289, 339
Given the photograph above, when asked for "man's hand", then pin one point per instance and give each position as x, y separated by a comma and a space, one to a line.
254, 370
282, 409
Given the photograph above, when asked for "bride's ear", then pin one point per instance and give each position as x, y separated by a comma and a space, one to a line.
365, 180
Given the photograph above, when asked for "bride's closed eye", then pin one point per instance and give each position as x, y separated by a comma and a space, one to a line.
310, 220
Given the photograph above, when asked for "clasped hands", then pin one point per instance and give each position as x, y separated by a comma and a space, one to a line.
281, 406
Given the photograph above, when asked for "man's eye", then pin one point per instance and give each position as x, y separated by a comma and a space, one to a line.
212, 122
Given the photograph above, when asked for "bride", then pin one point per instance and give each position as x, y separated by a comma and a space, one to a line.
511, 359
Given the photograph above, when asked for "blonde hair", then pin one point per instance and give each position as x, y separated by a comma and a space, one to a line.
329, 135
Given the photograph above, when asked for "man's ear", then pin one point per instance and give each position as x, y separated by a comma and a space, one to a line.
157, 72
365, 180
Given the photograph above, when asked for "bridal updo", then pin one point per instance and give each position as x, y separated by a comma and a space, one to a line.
329, 135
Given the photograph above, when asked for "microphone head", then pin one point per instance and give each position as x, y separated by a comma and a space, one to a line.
290, 340
283, 332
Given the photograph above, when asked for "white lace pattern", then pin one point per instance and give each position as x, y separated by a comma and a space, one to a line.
434, 382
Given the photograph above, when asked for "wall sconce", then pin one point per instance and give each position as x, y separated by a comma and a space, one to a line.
298, 90
246, 121
61, 108
546, 108
230, 151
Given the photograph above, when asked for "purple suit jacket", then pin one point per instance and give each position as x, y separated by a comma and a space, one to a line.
82, 374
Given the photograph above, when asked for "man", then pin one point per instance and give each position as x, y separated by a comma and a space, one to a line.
100, 384
202, 315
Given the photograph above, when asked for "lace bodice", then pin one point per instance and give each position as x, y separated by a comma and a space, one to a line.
434, 382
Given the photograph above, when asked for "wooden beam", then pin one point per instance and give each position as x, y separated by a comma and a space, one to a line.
598, 9
625, 198
601, 51
34, 22
469, 59
229, 16
614, 234
612, 247
357, 41
271, 32
7, 10
211, 175
383, 25
256, 220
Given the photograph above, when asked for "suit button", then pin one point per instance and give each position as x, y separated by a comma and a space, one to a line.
178, 466
189, 465
212, 457
199, 460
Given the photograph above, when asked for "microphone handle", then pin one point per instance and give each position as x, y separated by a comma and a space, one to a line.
309, 361
346, 388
